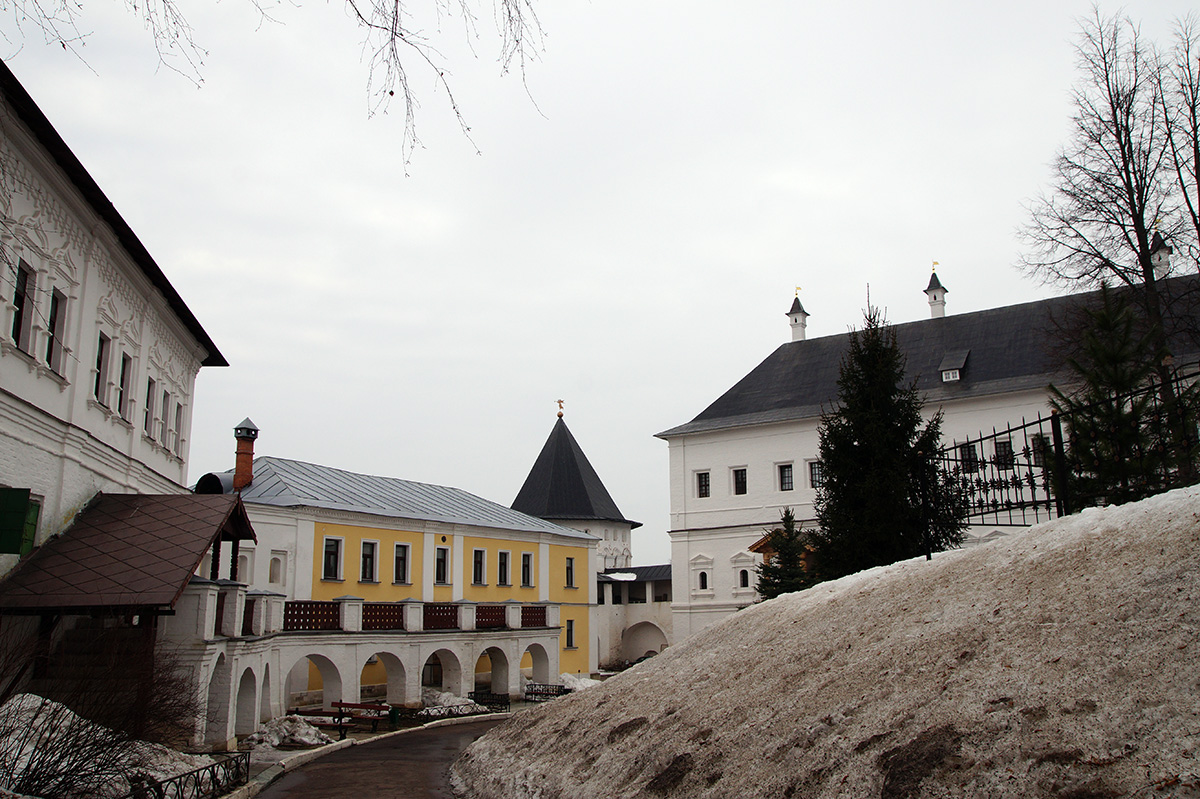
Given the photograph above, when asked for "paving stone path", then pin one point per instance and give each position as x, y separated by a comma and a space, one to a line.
411, 766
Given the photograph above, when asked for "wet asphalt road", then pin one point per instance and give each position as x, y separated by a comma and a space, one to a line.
411, 766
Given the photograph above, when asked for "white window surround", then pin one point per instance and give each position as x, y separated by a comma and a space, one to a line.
478, 566
743, 561
368, 571
702, 483
697, 565
504, 567
397, 577
733, 480
441, 566
527, 570
326, 572
790, 474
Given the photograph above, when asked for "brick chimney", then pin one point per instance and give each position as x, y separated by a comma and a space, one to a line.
243, 466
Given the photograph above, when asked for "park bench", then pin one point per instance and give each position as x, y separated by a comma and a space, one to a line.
364, 712
542, 692
329, 719
497, 703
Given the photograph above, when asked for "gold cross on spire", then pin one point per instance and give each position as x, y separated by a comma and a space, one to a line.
560, 404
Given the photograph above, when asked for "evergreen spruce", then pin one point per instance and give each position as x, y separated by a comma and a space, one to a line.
785, 570
1120, 444
883, 499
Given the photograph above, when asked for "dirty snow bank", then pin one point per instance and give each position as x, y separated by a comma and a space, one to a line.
1060, 661
274, 738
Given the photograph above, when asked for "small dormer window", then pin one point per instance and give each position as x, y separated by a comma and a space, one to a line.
952, 364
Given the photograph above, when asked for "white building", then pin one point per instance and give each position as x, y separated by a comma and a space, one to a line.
98, 353
754, 451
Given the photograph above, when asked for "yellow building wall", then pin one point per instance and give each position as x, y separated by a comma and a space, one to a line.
385, 589
574, 605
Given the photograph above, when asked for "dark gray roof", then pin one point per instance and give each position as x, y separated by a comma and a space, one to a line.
563, 485
796, 307
644, 573
48, 137
287, 483
1011, 349
934, 283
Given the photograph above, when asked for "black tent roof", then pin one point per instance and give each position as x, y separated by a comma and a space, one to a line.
563, 485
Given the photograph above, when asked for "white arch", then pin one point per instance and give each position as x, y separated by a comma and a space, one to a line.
331, 677
449, 668
217, 728
245, 721
642, 638
541, 663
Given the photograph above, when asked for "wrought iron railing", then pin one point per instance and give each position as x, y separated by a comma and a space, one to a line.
1037, 471
206, 782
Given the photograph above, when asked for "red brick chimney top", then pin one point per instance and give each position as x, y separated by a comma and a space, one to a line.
243, 466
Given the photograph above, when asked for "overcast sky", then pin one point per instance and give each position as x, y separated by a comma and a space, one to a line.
627, 240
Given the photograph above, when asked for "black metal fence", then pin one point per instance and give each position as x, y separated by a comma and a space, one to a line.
1032, 472
206, 782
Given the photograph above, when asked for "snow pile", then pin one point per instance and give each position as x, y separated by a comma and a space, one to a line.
47, 738
432, 697
576, 682
1063, 660
285, 732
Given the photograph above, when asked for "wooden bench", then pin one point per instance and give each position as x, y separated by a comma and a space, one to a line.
497, 703
331, 719
542, 692
372, 712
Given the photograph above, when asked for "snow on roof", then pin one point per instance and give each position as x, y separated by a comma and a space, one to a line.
1056, 656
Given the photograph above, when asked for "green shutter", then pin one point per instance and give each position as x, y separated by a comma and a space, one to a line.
14, 515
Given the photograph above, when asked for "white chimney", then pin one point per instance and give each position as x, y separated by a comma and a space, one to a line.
937, 297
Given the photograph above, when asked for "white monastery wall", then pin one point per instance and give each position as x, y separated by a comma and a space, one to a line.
69, 424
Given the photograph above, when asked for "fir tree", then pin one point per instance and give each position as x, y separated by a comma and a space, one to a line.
1120, 445
786, 569
883, 498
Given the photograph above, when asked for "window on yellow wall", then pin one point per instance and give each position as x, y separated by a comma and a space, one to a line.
400, 575
479, 567
502, 569
570, 572
570, 633
527, 569
331, 568
369, 553
441, 566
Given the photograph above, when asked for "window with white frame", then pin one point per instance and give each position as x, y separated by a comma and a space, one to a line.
816, 474
1004, 454
570, 572
148, 418
441, 566
400, 566
703, 484
331, 564
785, 477
370, 561
479, 567
124, 377
277, 573
177, 430
527, 569
702, 583
502, 568
739, 480
56, 326
22, 300
100, 383
570, 633
164, 410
